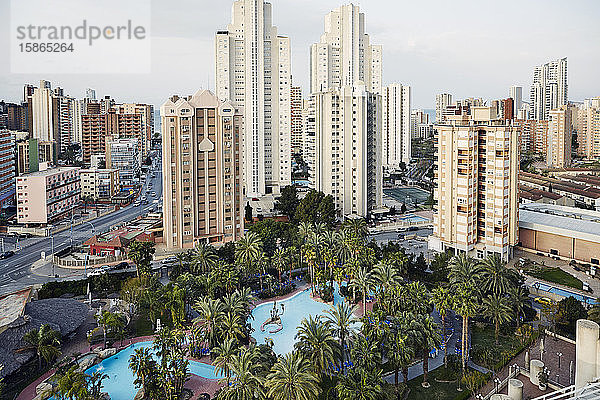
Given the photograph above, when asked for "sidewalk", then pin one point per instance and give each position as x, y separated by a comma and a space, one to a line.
44, 268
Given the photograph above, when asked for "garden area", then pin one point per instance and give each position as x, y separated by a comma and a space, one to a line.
554, 275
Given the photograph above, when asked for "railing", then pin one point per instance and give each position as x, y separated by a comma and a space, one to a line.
514, 371
61, 262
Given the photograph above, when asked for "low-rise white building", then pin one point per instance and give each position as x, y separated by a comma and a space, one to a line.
124, 155
99, 184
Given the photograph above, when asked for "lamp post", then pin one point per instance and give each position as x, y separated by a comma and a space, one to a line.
497, 382
559, 355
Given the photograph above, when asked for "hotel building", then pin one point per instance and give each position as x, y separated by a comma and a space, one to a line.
477, 185
202, 175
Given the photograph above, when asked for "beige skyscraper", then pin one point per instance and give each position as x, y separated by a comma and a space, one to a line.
558, 149
344, 55
203, 199
588, 128
477, 185
344, 150
253, 70
549, 90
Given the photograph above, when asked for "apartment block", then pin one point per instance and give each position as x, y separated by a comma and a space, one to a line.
296, 120
533, 137
32, 152
549, 90
99, 184
129, 125
7, 168
202, 171
344, 55
516, 94
396, 137
345, 160
587, 125
442, 101
45, 196
124, 155
253, 70
477, 185
559, 138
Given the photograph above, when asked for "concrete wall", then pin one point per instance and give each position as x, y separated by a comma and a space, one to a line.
578, 249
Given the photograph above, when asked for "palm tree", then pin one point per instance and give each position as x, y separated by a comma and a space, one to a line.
209, 320
467, 305
107, 320
594, 314
143, 366
291, 378
317, 343
95, 383
247, 250
496, 276
444, 302
72, 385
416, 298
428, 338
279, 261
232, 326
386, 276
45, 342
245, 384
204, 257
225, 353
363, 282
359, 384
464, 270
341, 319
399, 352
357, 227
517, 299
496, 308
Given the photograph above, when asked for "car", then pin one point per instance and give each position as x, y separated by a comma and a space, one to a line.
170, 260
7, 254
543, 300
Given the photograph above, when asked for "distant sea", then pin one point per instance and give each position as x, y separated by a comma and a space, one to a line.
431, 113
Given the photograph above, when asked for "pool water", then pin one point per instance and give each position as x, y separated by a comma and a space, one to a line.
296, 308
564, 293
120, 385
413, 218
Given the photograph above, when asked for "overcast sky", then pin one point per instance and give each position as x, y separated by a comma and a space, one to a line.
470, 48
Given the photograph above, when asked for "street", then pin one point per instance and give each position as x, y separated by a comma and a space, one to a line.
15, 271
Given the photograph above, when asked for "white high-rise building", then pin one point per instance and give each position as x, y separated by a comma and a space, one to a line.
396, 126
90, 94
442, 101
42, 113
253, 70
549, 90
344, 149
344, 55
516, 94
296, 120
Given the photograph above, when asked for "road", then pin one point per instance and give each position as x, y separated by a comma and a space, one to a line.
15, 271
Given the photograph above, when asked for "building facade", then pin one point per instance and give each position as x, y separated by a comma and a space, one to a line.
534, 137
124, 155
253, 70
99, 184
549, 90
477, 185
7, 168
345, 157
344, 55
559, 138
296, 120
442, 101
396, 137
202, 171
46, 196
587, 125
32, 152
516, 94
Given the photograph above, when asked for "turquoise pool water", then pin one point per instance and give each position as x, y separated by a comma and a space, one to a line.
564, 293
120, 383
413, 218
296, 308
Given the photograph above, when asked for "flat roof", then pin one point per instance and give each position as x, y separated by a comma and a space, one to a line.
49, 171
561, 220
12, 306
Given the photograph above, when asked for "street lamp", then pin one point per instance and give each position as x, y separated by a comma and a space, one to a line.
559, 355
497, 382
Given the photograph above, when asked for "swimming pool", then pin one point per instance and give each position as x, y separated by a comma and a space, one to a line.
296, 308
120, 385
561, 292
413, 218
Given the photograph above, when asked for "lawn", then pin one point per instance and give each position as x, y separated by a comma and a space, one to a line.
437, 390
555, 275
486, 352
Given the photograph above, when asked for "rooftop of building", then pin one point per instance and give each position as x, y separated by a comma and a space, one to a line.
139, 229
566, 221
12, 306
50, 171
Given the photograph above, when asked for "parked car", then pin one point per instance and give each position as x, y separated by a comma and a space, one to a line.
121, 265
170, 260
7, 254
543, 300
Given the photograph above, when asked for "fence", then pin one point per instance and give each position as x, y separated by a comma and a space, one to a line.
81, 263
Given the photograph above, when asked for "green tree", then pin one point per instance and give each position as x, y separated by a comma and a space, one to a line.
292, 378
246, 385
247, 250
518, 297
72, 385
569, 311
288, 202
363, 282
497, 278
108, 320
141, 254
316, 343
316, 207
467, 305
45, 342
210, 317
143, 366
359, 384
427, 338
443, 300
204, 258
464, 270
341, 318
497, 309
224, 356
